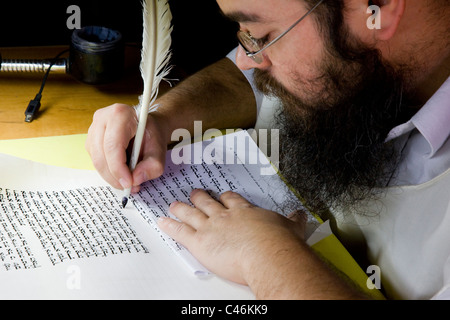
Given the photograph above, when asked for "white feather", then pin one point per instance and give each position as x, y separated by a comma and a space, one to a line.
156, 53
155, 58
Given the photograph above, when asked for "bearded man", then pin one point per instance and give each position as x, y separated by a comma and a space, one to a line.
364, 124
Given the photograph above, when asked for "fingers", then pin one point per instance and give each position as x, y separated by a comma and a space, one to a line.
190, 215
108, 139
153, 159
182, 231
228, 200
204, 207
179, 231
120, 129
204, 202
95, 147
192, 218
234, 200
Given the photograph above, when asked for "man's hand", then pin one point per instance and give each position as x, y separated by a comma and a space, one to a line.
253, 246
227, 236
109, 137
218, 95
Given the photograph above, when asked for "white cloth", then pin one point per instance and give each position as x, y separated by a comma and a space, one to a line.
407, 235
427, 149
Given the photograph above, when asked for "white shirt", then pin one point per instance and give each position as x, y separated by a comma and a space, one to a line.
416, 251
427, 151
425, 164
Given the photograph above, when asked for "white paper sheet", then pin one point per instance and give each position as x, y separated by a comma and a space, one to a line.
63, 233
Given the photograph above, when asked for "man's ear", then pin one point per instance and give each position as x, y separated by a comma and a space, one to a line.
391, 14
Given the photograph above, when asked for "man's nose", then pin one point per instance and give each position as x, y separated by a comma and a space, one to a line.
246, 63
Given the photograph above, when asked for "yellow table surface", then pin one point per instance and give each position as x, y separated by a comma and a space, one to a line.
67, 105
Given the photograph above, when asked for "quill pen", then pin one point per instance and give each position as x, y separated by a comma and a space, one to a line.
155, 57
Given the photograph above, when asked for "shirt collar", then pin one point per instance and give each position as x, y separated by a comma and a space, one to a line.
432, 120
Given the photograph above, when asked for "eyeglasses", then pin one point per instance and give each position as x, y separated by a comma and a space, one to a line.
252, 46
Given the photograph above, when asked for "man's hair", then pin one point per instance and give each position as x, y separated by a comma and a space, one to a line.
439, 9
325, 10
329, 16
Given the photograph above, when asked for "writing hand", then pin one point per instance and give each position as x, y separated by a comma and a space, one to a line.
108, 139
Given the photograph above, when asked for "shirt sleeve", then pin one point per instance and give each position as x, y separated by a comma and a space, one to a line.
249, 75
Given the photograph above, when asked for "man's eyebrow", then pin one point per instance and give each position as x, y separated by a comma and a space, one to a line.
242, 17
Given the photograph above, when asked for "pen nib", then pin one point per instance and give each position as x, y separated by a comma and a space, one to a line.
124, 202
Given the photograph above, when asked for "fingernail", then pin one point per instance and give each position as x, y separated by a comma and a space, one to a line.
173, 204
124, 183
142, 178
162, 220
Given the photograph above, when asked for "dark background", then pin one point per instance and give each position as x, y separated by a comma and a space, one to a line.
201, 34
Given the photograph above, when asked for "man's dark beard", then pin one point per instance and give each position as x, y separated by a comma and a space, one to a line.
333, 149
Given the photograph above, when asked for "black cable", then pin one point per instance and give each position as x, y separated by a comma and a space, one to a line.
35, 104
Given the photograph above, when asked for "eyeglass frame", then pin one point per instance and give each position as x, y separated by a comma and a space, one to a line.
254, 54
